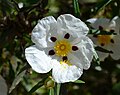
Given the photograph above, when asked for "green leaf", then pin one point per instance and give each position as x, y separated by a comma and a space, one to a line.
116, 89
101, 5
17, 80
76, 8
96, 58
102, 49
79, 81
38, 85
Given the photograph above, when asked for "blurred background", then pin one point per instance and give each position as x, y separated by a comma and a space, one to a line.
18, 18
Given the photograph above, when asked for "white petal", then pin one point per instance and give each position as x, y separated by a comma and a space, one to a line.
65, 73
102, 55
92, 20
72, 25
85, 52
38, 59
44, 26
104, 22
115, 47
3, 86
117, 20
75, 60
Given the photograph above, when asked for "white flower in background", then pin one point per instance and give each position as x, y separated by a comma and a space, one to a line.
3, 86
109, 42
20, 5
60, 45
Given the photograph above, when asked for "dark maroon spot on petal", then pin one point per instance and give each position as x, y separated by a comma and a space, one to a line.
74, 48
112, 31
67, 36
95, 36
51, 52
65, 58
53, 39
100, 28
102, 44
112, 41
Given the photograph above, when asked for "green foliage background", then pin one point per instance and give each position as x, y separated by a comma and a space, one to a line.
16, 25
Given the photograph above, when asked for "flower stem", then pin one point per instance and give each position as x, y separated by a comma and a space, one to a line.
58, 88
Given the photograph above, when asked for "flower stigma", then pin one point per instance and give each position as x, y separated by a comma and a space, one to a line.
62, 47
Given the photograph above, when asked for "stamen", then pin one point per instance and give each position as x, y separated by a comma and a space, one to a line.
65, 58
100, 28
53, 39
51, 52
104, 39
67, 36
112, 31
62, 47
74, 48
112, 41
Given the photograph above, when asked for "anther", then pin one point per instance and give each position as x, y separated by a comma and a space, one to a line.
112, 31
100, 28
53, 39
102, 44
65, 58
51, 52
67, 36
74, 48
112, 41
95, 36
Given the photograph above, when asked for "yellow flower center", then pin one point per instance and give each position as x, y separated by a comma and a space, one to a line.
62, 47
104, 39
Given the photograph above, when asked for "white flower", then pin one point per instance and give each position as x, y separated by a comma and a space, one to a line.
60, 45
109, 42
20, 5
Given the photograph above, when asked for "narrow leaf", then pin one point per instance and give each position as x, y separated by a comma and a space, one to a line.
17, 80
79, 81
38, 85
102, 49
76, 8
96, 58
101, 5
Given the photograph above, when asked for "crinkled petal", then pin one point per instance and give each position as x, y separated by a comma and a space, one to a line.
3, 86
72, 25
44, 26
38, 59
85, 52
65, 73
104, 22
